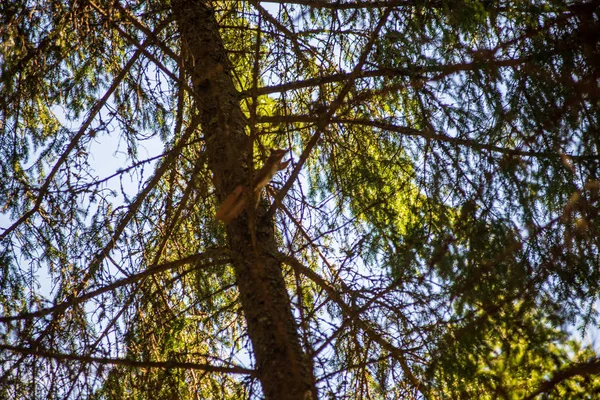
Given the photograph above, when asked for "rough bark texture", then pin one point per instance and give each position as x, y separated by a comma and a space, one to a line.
285, 372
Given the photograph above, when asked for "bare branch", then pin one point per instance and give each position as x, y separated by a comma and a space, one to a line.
40, 352
208, 258
350, 312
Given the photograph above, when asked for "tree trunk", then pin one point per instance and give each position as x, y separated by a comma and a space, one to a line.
284, 370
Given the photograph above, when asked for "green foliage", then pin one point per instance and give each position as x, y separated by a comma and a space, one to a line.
448, 211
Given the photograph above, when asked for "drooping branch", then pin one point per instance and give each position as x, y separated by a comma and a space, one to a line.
41, 352
583, 369
152, 39
83, 129
398, 354
428, 135
205, 259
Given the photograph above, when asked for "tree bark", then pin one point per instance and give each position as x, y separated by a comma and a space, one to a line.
284, 370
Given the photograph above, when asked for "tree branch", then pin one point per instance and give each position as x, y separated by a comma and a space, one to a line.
333, 294
205, 259
40, 352
425, 135
591, 367
82, 131
326, 116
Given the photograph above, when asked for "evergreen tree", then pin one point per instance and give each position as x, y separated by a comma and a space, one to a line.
435, 235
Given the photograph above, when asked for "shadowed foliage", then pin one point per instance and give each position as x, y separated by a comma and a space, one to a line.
435, 235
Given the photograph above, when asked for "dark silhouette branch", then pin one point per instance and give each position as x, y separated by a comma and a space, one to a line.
82, 131
404, 130
350, 312
429, 73
40, 352
591, 367
205, 259
325, 117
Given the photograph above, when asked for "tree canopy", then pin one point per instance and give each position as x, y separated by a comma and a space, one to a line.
436, 234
